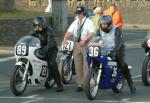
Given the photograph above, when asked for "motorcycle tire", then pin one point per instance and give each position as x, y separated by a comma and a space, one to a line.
146, 71
90, 92
66, 76
15, 79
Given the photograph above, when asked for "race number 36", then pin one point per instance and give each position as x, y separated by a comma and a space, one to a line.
22, 50
93, 51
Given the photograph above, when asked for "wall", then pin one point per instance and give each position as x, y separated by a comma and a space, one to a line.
13, 29
7, 4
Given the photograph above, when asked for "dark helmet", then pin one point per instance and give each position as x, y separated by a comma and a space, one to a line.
106, 19
39, 23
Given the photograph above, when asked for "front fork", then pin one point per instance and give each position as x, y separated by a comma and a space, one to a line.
26, 70
25, 66
99, 74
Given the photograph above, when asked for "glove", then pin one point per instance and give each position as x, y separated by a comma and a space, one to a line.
38, 53
111, 54
43, 50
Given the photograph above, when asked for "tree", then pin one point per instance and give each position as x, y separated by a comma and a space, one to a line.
59, 15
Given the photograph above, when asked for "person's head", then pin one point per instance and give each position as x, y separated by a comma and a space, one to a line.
113, 8
39, 23
106, 23
98, 10
80, 12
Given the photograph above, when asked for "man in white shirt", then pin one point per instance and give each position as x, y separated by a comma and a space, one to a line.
82, 30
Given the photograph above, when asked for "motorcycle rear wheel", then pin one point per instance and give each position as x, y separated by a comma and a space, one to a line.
16, 84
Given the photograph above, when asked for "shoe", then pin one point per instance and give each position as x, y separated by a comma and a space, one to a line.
132, 89
59, 88
79, 88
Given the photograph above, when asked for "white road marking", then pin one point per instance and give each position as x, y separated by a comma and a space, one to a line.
27, 97
7, 59
137, 76
34, 100
125, 99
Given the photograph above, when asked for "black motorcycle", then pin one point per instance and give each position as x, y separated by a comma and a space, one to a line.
146, 63
67, 68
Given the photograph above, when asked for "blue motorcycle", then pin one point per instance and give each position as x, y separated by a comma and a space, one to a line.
103, 72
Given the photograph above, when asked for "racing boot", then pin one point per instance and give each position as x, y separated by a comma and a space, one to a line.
127, 76
57, 78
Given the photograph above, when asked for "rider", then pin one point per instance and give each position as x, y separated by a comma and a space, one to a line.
109, 35
49, 47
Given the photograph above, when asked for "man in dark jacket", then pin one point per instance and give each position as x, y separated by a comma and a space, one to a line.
109, 36
49, 47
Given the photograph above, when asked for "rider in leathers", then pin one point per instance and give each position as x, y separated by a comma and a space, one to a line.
49, 47
110, 35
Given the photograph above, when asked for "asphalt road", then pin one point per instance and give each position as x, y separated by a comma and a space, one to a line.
134, 57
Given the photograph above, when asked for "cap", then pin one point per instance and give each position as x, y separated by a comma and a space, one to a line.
79, 10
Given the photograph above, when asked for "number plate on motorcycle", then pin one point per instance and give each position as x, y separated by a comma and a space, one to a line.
94, 51
22, 50
44, 71
68, 46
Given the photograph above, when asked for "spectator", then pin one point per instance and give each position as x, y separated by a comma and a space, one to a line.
116, 15
98, 11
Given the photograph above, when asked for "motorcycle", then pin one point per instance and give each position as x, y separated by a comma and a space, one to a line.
31, 66
103, 72
67, 68
146, 63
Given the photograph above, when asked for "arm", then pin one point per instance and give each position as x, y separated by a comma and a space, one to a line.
91, 30
118, 40
69, 32
67, 36
117, 20
51, 43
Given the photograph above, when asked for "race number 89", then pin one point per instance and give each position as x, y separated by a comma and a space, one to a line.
21, 50
93, 51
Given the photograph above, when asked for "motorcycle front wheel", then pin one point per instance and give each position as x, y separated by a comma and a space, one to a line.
17, 85
146, 71
92, 83
66, 71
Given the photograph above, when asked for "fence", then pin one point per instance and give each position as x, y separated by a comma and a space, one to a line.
72, 4
105, 3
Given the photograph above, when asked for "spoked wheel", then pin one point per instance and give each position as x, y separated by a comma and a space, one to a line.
119, 86
92, 83
66, 71
146, 71
50, 83
17, 85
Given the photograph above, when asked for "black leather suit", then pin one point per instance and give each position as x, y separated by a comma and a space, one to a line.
50, 49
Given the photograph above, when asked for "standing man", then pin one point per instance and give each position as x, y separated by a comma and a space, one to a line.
82, 30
